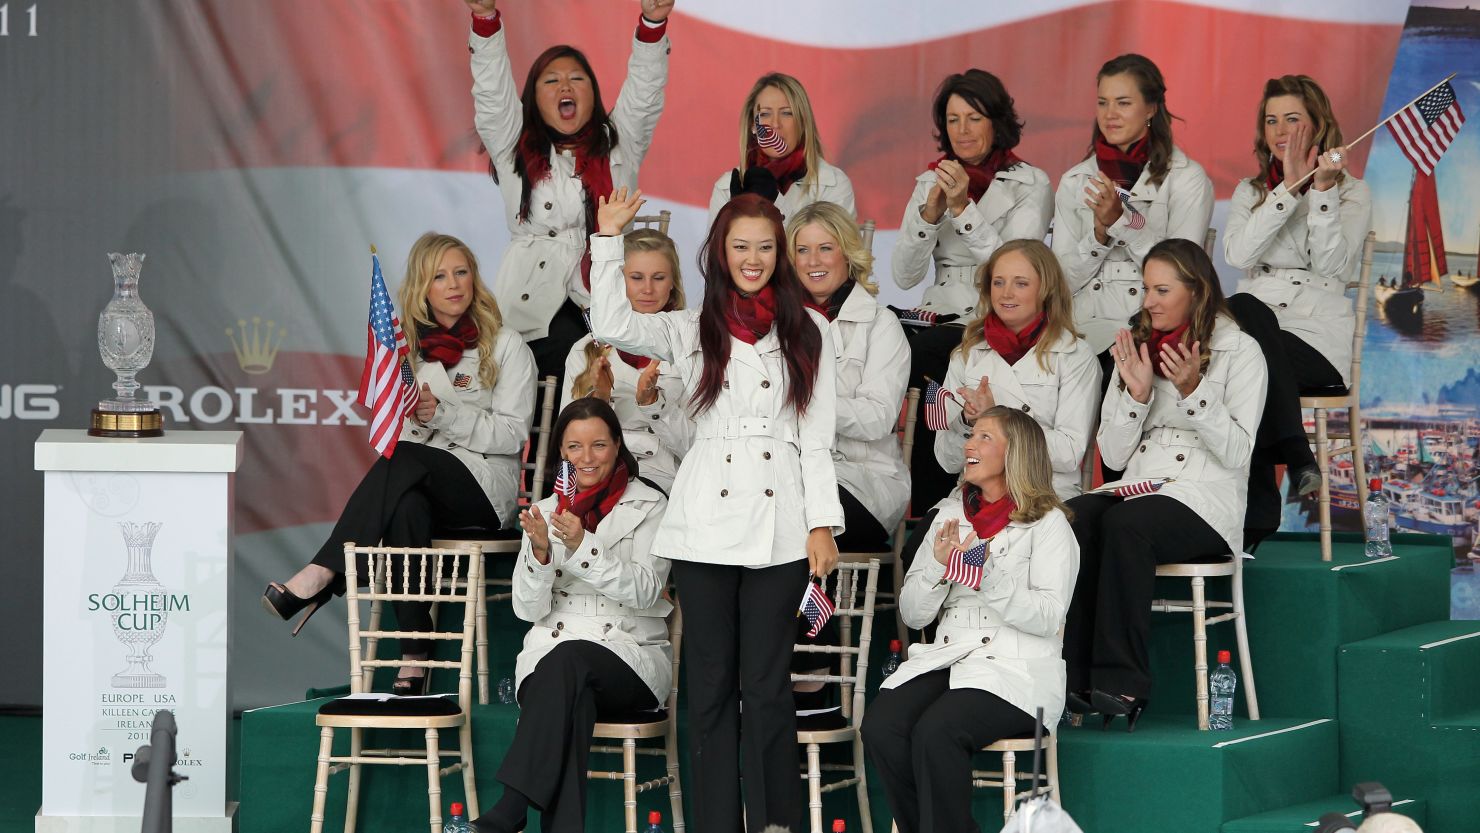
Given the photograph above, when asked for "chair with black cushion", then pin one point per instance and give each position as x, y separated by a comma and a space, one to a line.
406, 575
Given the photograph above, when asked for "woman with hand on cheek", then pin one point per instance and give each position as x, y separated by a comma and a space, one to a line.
755, 504
1179, 418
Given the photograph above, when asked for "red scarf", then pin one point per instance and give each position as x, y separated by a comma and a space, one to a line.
787, 170
633, 360
1276, 174
979, 176
1012, 346
595, 173
595, 503
834, 303
987, 519
1158, 340
1122, 167
438, 344
749, 319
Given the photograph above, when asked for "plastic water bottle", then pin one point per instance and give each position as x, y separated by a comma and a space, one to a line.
457, 820
655, 822
892, 664
1222, 682
506, 691
1375, 519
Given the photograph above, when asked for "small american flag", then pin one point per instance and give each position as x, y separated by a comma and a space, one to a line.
1140, 487
1425, 128
816, 606
1137, 220
565, 485
769, 139
586, 316
387, 386
462, 381
918, 317
965, 568
936, 418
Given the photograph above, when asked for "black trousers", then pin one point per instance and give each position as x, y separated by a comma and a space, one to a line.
930, 355
1120, 543
920, 738
739, 623
1294, 367
1107, 369
398, 503
573, 686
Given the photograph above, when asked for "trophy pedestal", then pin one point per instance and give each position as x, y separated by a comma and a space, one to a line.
129, 424
137, 571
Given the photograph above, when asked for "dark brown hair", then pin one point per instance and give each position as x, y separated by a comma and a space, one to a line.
1154, 91
588, 407
986, 95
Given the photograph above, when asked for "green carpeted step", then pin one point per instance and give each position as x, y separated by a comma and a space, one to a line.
1300, 611
1169, 776
1303, 817
1409, 720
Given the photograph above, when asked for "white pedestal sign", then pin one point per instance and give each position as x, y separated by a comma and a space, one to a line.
137, 571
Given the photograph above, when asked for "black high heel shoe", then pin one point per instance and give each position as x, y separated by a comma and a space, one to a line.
1078, 702
409, 686
1112, 706
284, 604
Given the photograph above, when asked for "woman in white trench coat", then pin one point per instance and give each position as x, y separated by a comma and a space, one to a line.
755, 505
554, 151
588, 583
996, 654
1179, 419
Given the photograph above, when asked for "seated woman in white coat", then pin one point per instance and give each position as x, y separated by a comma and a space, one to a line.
587, 582
1179, 419
1298, 252
781, 152
1136, 189
654, 427
967, 203
1022, 351
457, 461
996, 656
554, 150
755, 505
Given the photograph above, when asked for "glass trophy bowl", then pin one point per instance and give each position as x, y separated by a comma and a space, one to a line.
126, 343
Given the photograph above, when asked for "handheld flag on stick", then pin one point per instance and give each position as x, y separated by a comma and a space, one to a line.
565, 485
965, 567
387, 385
936, 418
1133, 489
768, 139
816, 606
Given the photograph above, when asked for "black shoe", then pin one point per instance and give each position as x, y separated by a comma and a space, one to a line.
1113, 706
1078, 702
488, 824
284, 604
1307, 480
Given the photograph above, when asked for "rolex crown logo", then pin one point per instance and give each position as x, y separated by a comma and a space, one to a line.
256, 347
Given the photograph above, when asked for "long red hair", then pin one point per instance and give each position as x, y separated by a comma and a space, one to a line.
801, 341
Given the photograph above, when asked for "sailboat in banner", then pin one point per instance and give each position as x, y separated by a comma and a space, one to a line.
1424, 259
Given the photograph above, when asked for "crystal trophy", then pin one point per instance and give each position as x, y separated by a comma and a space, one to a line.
126, 343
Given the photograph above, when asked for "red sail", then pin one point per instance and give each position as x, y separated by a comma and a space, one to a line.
1423, 257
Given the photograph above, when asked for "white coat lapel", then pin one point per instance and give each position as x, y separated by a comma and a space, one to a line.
1003, 380
434, 375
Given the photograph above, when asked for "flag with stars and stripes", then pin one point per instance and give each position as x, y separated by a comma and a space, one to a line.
1425, 128
816, 606
1136, 220
565, 485
1134, 489
965, 567
936, 418
586, 317
768, 139
387, 386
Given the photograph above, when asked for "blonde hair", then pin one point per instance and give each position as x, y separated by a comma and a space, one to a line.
801, 109
638, 240
421, 267
1028, 469
1053, 292
840, 226
1325, 131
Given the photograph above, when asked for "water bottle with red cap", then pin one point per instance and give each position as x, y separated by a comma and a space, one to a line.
655, 822
1221, 683
457, 819
839, 827
1375, 519
892, 663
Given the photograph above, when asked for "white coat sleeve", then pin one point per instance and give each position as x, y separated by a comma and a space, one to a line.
843, 194
497, 113
1027, 219
533, 581
717, 198
1121, 423
1189, 210
673, 426
640, 102
910, 261
1250, 229
870, 411
613, 320
1338, 219
636, 583
950, 444
1036, 602
817, 428
504, 427
924, 587
1074, 418
1227, 423
1074, 241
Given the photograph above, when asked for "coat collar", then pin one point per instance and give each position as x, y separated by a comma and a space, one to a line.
1063, 344
859, 306
629, 512
1225, 335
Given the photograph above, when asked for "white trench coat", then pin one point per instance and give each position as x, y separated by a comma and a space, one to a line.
646, 429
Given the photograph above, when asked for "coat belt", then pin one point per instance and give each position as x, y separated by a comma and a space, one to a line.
730, 428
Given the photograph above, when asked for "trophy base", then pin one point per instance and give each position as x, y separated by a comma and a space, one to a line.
124, 679
108, 423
